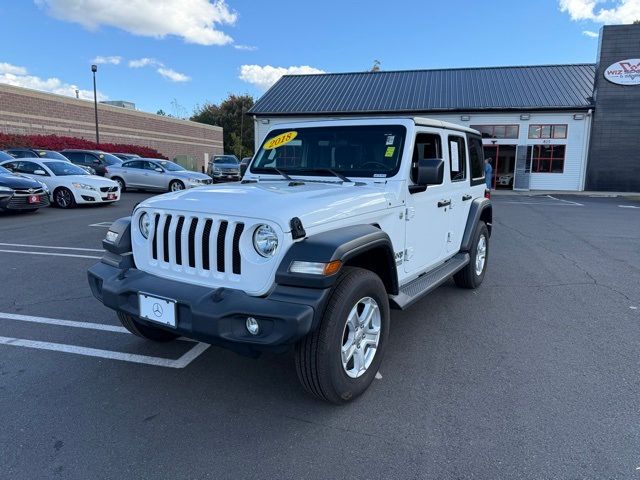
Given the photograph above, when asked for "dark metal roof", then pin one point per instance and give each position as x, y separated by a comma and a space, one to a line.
546, 87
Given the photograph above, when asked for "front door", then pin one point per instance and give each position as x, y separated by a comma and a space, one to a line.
427, 212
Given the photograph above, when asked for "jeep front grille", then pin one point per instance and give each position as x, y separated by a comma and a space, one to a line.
198, 243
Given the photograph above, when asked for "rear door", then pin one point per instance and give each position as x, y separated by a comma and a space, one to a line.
132, 173
427, 213
459, 190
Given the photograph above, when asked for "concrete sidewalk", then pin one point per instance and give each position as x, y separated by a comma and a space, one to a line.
536, 193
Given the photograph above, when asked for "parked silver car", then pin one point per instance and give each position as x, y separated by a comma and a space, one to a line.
154, 174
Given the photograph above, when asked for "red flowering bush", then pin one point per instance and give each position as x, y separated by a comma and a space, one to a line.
54, 142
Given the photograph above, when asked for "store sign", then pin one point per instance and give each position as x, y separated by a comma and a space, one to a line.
624, 72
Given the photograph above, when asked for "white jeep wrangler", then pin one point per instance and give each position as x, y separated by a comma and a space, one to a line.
334, 223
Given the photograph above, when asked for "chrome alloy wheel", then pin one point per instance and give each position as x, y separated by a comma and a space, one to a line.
63, 198
360, 337
481, 254
177, 186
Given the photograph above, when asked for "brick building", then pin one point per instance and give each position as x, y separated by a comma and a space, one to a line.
31, 112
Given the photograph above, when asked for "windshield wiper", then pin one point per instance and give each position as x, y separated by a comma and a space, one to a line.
329, 170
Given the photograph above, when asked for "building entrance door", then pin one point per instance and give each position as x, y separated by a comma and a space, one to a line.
503, 161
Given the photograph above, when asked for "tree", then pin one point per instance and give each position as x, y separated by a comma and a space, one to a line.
161, 113
636, 22
231, 115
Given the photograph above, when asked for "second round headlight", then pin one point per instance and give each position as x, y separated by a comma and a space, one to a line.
145, 224
265, 241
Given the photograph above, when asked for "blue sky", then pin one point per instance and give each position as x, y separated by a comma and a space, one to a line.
199, 50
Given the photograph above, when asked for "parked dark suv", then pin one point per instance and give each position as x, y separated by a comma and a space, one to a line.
99, 161
224, 168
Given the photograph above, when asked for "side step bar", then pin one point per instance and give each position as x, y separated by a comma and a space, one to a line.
418, 288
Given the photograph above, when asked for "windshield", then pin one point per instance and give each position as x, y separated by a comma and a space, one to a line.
170, 166
52, 155
110, 159
61, 169
357, 151
226, 159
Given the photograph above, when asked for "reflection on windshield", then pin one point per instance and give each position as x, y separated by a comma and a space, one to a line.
353, 151
61, 169
170, 166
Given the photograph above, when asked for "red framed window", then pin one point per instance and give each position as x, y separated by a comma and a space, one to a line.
498, 131
548, 131
547, 158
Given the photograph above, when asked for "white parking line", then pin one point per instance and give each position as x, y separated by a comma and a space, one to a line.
52, 247
181, 362
63, 323
628, 206
51, 254
101, 224
569, 202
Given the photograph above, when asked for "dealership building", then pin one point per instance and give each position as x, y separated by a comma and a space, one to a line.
552, 127
31, 112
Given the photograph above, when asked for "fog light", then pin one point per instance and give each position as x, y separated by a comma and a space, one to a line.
252, 326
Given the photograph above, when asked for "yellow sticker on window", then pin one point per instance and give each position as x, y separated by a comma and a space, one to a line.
280, 140
390, 151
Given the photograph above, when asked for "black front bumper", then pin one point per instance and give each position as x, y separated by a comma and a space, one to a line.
216, 316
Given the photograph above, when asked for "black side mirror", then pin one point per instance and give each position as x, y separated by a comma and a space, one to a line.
427, 172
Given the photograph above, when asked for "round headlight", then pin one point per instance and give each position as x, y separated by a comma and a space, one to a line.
265, 240
145, 224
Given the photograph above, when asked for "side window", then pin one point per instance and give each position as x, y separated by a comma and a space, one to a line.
90, 159
476, 159
149, 165
458, 158
427, 146
29, 167
134, 164
73, 156
11, 166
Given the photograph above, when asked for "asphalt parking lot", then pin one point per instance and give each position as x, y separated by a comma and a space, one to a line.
534, 375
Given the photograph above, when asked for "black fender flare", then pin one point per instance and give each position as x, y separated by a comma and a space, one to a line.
345, 244
481, 209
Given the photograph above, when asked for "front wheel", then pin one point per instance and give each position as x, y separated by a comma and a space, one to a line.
339, 360
472, 275
64, 198
176, 186
145, 331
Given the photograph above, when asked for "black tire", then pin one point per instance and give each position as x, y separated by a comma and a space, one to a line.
468, 277
63, 198
176, 186
318, 355
120, 182
145, 331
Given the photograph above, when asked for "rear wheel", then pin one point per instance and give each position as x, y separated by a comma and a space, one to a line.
64, 198
176, 186
472, 275
145, 331
339, 360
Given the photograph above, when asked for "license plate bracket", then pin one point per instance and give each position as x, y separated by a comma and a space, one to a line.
157, 309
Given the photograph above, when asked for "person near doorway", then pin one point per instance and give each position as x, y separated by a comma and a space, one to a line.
488, 172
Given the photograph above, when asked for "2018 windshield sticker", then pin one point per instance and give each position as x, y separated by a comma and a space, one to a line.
390, 151
280, 140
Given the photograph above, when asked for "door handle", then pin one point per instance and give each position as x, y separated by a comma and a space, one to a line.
444, 203
466, 197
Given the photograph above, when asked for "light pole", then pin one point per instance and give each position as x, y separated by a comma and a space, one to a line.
94, 69
241, 128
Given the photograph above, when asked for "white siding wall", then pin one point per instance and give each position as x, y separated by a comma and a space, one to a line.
576, 147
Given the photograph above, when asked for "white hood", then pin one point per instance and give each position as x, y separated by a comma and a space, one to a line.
314, 202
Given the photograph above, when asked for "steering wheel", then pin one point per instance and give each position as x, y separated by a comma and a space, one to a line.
379, 164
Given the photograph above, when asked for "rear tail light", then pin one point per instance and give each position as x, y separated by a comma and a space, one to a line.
487, 193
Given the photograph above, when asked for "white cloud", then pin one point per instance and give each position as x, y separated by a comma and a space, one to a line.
12, 69
161, 68
590, 34
248, 48
619, 11
19, 77
144, 62
265, 76
109, 60
195, 21
172, 75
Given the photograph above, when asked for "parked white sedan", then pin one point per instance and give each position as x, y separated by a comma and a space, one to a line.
68, 184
